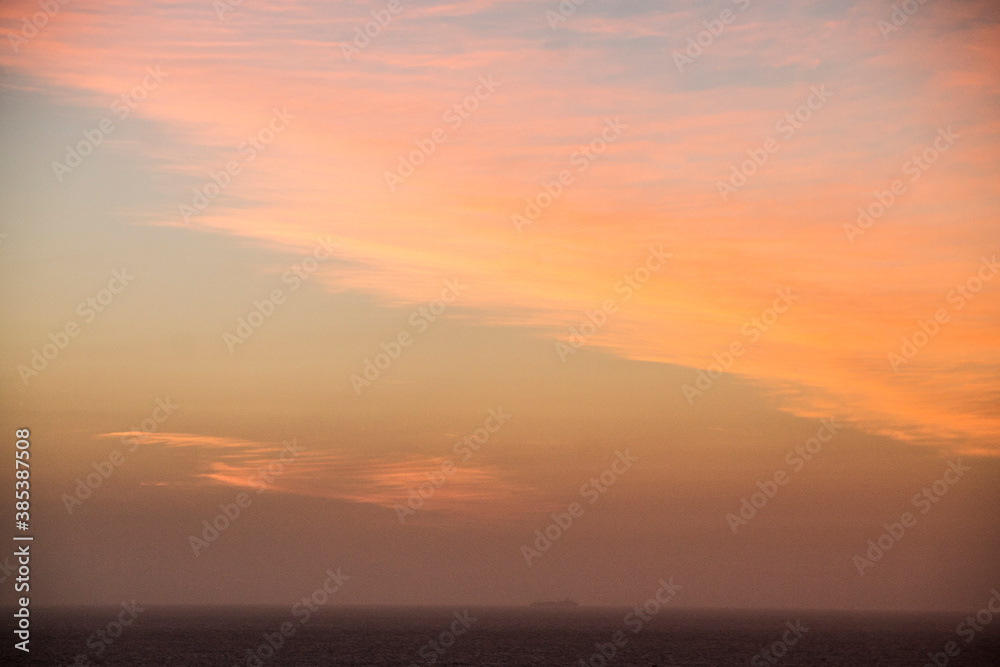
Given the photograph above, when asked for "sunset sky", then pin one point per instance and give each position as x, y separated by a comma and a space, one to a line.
267, 238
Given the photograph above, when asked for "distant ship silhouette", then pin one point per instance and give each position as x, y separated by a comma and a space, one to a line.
557, 604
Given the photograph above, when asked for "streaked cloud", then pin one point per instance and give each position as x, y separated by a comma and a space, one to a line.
451, 219
450, 486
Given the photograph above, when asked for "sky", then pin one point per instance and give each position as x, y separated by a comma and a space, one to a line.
703, 290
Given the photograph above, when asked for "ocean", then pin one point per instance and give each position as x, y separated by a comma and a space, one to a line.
252, 637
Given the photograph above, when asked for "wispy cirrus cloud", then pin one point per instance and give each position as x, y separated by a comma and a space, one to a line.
465, 489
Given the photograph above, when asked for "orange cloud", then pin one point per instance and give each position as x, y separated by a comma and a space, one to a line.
656, 184
437, 484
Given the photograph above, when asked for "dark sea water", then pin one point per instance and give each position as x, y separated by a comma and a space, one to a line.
496, 636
